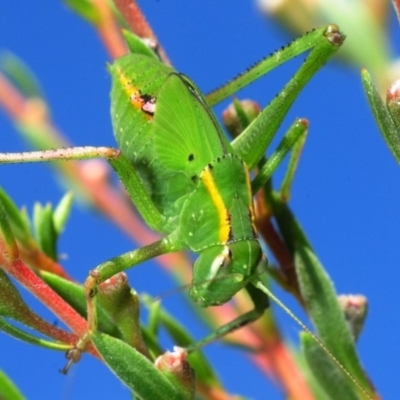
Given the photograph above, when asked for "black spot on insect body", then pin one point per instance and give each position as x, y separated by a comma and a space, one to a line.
146, 97
191, 157
210, 166
194, 178
149, 104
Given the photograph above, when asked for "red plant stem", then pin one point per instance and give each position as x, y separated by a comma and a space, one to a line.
27, 278
286, 370
396, 4
278, 248
41, 261
214, 393
109, 31
52, 331
134, 17
11, 100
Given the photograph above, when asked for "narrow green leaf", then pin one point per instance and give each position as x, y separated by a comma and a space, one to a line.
389, 130
44, 229
135, 370
11, 303
8, 246
25, 336
62, 212
16, 218
136, 45
289, 227
321, 301
86, 9
303, 366
154, 309
8, 390
20, 75
336, 384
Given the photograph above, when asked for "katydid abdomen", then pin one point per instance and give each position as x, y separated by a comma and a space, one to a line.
217, 221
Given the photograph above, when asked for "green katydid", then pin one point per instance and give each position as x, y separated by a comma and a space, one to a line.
188, 181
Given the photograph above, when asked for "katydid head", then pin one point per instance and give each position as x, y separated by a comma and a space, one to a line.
222, 270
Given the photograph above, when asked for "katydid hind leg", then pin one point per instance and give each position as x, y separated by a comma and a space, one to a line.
103, 272
253, 142
271, 62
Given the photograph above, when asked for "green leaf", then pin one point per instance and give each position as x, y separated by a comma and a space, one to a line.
8, 390
17, 219
135, 370
321, 301
303, 366
389, 130
20, 75
62, 212
20, 334
73, 294
335, 383
86, 9
11, 303
136, 45
45, 232
13, 306
289, 227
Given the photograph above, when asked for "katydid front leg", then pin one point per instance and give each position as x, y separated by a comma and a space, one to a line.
261, 303
100, 274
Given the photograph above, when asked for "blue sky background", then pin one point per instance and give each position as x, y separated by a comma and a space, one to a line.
346, 193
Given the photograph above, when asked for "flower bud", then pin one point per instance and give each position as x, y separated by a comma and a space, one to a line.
177, 368
355, 308
238, 115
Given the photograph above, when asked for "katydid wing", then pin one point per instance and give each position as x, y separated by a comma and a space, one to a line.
195, 180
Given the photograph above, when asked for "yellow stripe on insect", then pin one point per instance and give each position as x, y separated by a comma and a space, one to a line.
135, 96
224, 225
